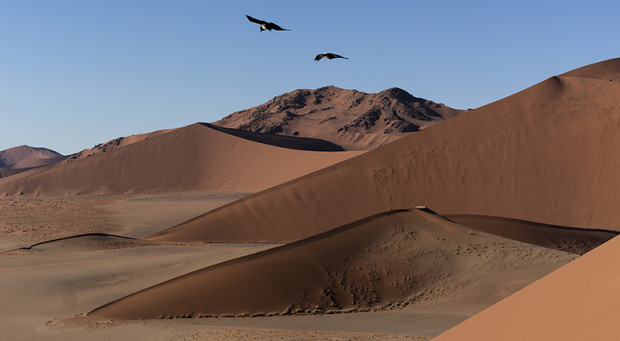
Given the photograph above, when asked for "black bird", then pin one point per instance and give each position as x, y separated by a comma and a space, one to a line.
266, 26
328, 56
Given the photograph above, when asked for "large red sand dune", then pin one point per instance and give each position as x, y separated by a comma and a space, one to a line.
580, 301
386, 261
192, 158
547, 154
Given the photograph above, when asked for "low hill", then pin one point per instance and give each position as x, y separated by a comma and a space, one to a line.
19, 159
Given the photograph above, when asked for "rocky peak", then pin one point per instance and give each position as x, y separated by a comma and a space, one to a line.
336, 114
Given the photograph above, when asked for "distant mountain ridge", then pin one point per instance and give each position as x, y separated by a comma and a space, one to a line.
349, 118
18, 159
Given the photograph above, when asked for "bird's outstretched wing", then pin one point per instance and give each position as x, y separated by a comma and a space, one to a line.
319, 56
333, 55
276, 27
254, 20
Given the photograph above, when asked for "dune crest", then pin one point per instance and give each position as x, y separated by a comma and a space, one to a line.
608, 70
569, 239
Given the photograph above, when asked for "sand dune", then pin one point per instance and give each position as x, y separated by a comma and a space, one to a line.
569, 239
579, 301
349, 118
546, 154
192, 158
389, 260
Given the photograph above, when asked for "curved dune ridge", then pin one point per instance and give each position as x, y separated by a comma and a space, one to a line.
569, 239
89, 241
389, 260
546, 154
605, 70
191, 158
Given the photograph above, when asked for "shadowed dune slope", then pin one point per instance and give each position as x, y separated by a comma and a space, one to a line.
546, 154
300, 143
192, 158
579, 301
569, 239
389, 260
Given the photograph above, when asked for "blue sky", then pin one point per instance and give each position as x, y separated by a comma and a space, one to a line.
77, 73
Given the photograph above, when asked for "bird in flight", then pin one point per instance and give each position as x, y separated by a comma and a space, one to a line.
266, 26
328, 56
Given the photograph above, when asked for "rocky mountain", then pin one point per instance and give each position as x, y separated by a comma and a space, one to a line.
349, 118
18, 159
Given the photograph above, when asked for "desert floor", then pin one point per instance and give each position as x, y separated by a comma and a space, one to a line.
44, 287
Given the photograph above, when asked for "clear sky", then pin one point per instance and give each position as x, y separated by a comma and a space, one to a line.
77, 73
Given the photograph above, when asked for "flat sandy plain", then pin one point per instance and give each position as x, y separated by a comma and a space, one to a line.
46, 286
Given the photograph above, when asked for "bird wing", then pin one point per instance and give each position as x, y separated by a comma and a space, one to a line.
276, 27
254, 20
319, 56
333, 55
